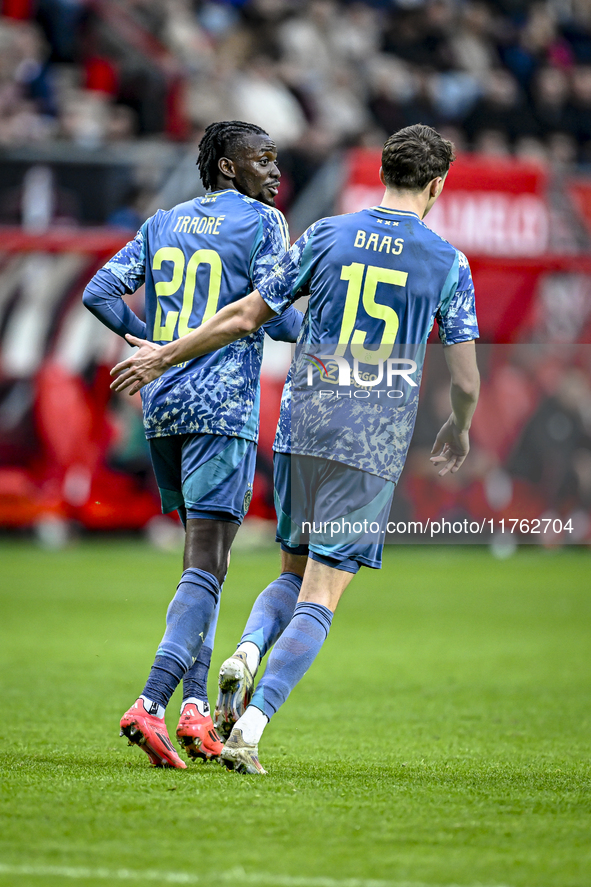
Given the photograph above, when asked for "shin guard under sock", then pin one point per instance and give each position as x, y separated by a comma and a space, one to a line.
195, 680
292, 656
272, 612
187, 622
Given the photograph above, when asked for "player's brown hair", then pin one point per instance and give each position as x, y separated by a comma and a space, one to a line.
414, 156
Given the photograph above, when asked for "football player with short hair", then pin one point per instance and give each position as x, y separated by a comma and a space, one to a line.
377, 281
201, 418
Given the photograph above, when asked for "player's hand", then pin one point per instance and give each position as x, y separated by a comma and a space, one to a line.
142, 367
450, 448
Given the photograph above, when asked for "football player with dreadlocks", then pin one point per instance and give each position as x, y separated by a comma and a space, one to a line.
201, 418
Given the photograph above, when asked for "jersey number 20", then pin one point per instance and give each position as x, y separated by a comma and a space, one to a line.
164, 331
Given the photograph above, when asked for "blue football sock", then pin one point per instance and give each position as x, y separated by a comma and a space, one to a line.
187, 622
195, 680
292, 656
272, 611
165, 676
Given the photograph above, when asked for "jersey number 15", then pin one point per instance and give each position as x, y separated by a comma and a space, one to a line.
348, 334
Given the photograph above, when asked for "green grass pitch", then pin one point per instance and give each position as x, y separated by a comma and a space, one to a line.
442, 736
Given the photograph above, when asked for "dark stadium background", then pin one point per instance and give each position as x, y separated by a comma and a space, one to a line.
102, 105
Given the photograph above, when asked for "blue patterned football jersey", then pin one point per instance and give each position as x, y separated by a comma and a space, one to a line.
195, 259
377, 281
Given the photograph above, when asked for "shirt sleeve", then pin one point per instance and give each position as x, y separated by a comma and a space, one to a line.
456, 315
104, 298
291, 276
271, 245
285, 327
129, 264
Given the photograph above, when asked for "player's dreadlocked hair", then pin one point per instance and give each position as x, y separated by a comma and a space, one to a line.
414, 156
221, 140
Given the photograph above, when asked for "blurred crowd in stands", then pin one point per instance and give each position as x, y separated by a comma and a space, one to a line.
499, 77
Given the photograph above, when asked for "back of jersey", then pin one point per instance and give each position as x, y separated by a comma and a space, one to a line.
379, 277
197, 258
376, 279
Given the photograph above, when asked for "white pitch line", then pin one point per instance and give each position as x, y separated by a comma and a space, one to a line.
233, 876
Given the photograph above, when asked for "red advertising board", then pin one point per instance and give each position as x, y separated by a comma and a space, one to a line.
488, 207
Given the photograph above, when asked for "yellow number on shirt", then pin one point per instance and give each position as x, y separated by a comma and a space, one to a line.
375, 275
164, 332
210, 257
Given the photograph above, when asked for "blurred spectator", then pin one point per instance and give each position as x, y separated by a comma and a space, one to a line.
421, 106
391, 86
576, 28
550, 92
473, 46
32, 68
579, 109
101, 75
531, 149
538, 42
133, 211
27, 102
121, 124
152, 14
492, 143
262, 98
61, 21
562, 149
421, 36
501, 108
309, 44
185, 37
84, 117
454, 94
211, 96
341, 111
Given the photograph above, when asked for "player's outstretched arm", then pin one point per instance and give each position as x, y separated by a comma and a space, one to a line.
233, 322
452, 444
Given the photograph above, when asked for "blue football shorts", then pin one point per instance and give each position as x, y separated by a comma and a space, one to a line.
334, 513
207, 476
